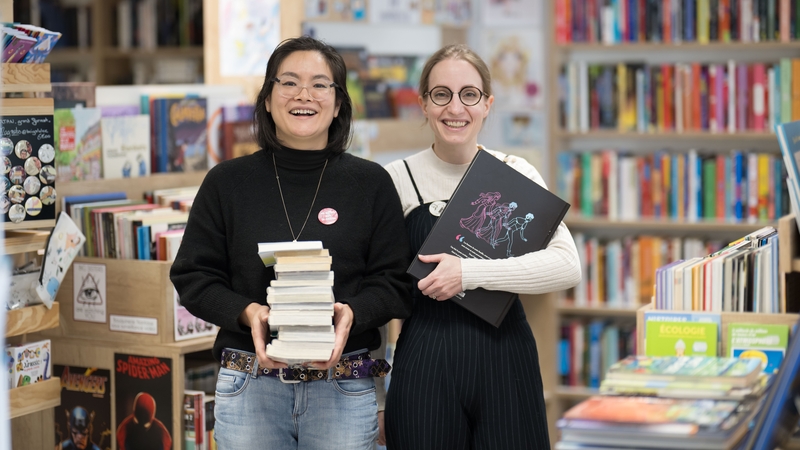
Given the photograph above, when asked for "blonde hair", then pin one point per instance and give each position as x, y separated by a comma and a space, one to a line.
458, 52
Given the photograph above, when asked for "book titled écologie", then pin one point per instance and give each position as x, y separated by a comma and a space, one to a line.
495, 212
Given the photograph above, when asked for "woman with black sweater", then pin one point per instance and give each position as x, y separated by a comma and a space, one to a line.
299, 186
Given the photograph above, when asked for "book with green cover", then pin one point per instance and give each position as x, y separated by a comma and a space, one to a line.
681, 339
763, 341
703, 369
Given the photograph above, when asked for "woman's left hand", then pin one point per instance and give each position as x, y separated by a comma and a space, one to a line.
342, 321
445, 280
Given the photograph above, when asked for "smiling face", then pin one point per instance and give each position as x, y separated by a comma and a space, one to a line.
455, 126
301, 122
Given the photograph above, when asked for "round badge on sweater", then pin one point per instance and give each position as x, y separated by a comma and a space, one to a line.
436, 208
328, 216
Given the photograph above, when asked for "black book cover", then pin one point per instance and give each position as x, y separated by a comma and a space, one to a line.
143, 395
495, 212
84, 417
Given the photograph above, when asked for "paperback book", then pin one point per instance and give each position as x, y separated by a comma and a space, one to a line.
701, 369
495, 212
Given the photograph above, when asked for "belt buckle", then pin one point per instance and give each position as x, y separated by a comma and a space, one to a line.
283, 380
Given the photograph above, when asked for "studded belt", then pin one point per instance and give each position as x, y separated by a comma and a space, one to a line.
348, 368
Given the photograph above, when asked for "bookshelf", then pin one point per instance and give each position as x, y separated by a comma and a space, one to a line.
647, 143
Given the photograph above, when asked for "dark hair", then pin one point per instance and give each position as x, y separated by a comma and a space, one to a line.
340, 131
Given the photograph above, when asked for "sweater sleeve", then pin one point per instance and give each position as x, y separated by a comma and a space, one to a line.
385, 290
554, 268
200, 270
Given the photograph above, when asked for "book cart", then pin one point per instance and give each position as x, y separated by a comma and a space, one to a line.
31, 405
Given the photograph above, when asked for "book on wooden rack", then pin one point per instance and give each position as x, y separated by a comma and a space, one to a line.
702, 369
495, 212
684, 389
648, 422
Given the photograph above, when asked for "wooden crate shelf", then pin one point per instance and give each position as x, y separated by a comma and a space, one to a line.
34, 397
31, 319
24, 241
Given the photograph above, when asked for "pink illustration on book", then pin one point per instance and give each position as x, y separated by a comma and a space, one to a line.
498, 218
485, 203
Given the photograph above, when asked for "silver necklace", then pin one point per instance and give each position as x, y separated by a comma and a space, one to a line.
283, 202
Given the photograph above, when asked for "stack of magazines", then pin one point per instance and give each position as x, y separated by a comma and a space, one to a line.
668, 403
300, 300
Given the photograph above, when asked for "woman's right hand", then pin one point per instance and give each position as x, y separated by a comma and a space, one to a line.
255, 316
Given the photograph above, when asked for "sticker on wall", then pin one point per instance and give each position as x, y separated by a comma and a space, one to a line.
89, 292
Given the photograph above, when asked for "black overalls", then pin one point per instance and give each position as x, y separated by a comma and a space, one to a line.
458, 382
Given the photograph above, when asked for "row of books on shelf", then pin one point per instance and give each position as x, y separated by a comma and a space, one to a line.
587, 349
24, 43
300, 300
680, 97
198, 420
151, 23
698, 402
735, 187
163, 135
621, 272
742, 276
676, 21
123, 228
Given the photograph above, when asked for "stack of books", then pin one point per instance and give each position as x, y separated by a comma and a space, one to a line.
300, 300
668, 403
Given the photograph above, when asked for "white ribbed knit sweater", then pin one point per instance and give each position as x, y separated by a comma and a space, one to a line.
553, 269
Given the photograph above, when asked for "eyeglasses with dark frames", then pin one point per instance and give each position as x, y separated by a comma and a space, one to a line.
442, 95
290, 88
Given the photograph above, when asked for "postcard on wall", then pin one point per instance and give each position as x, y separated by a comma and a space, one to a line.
188, 326
143, 397
506, 13
248, 32
83, 420
89, 292
516, 60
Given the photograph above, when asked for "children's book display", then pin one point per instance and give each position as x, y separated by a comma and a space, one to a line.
126, 146
28, 363
300, 314
495, 212
78, 142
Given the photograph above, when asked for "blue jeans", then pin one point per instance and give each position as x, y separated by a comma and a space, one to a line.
266, 413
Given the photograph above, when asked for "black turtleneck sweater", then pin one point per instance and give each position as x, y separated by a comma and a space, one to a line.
218, 272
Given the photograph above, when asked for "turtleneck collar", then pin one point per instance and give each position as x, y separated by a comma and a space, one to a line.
289, 158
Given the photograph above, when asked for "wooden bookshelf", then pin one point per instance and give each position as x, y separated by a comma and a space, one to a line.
113, 53
645, 225
569, 309
24, 241
133, 187
34, 397
31, 319
685, 137
694, 47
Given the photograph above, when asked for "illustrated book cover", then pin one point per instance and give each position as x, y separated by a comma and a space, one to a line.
126, 146
84, 416
143, 398
495, 212
78, 142
181, 134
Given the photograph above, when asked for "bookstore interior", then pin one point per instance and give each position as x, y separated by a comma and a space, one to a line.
667, 130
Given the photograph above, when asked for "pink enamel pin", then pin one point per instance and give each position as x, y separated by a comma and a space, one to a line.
328, 216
